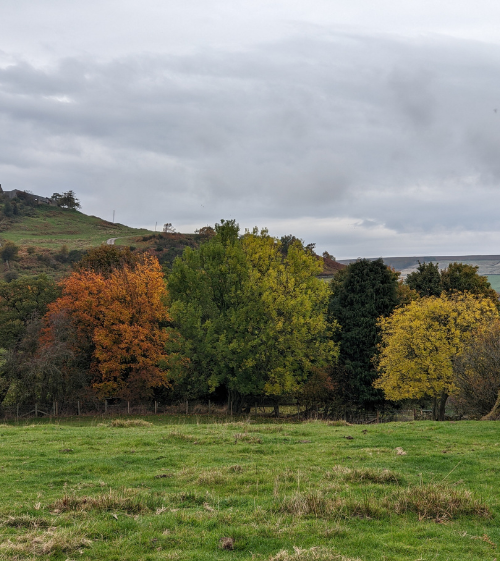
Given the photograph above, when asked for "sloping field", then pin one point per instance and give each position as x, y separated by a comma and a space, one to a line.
182, 488
51, 227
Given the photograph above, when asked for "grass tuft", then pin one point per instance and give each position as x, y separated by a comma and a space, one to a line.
438, 501
363, 475
109, 502
25, 521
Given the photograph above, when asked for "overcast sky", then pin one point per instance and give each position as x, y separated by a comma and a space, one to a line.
370, 127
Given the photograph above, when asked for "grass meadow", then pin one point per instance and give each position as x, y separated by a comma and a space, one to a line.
188, 488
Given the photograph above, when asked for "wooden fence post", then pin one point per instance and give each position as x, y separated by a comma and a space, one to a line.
105, 406
57, 409
231, 408
78, 405
209, 407
17, 412
156, 407
36, 410
187, 407
128, 407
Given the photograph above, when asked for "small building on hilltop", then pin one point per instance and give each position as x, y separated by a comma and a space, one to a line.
27, 196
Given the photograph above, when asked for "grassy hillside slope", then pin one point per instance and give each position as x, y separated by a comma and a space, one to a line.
51, 227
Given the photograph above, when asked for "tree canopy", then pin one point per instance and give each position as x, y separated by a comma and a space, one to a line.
421, 343
120, 322
251, 319
20, 301
360, 294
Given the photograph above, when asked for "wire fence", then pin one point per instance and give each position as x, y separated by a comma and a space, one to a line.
292, 411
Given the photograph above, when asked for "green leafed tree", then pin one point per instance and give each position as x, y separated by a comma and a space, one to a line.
252, 320
426, 280
360, 294
20, 300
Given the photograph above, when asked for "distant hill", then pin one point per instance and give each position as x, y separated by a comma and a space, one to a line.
51, 238
489, 265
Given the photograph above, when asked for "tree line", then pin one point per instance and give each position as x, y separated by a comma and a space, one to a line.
245, 317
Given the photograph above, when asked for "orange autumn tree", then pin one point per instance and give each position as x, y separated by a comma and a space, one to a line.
119, 319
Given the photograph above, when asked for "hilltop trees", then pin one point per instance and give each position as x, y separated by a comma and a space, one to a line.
360, 294
66, 200
251, 319
422, 342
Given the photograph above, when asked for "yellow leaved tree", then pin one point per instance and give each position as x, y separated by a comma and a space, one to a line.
421, 342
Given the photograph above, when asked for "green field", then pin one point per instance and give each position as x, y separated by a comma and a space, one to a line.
494, 281
51, 227
183, 488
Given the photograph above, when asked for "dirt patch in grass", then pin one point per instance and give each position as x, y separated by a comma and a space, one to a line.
124, 423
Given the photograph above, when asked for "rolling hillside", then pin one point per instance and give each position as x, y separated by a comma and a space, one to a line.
489, 265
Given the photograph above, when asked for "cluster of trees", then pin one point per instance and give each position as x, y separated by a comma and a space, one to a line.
245, 316
66, 200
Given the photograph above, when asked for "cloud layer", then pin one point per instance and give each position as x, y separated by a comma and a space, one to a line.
367, 143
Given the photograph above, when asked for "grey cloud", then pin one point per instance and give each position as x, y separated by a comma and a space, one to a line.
389, 132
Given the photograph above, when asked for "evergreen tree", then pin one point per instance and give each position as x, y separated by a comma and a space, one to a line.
426, 280
360, 294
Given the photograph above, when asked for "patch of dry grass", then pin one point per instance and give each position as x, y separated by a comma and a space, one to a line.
126, 423
312, 554
211, 477
49, 542
363, 475
109, 502
245, 437
25, 521
438, 501
434, 501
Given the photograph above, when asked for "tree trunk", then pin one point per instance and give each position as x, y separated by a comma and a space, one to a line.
435, 409
495, 412
442, 406
276, 409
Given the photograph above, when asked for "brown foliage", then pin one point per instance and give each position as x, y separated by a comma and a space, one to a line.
118, 317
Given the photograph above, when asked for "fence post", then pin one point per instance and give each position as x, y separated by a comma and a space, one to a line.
187, 407
209, 407
57, 409
156, 407
105, 406
298, 412
78, 405
378, 418
128, 407
36, 410
231, 408
17, 412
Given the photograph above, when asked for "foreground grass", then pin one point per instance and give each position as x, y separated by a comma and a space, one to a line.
186, 489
